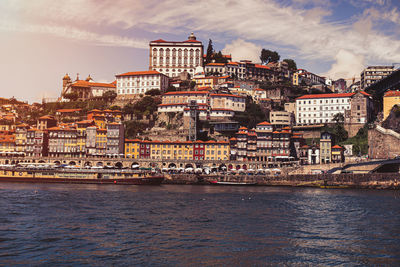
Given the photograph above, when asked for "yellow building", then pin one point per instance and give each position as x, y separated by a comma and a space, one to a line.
7, 143
20, 137
390, 99
295, 79
132, 148
101, 141
216, 150
81, 136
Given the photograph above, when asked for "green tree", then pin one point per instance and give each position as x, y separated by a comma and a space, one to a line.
251, 116
219, 58
110, 95
72, 96
338, 130
153, 92
291, 64
210, 52
171, 88
269, 56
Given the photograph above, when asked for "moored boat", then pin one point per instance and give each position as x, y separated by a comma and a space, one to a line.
231, 183
52, 174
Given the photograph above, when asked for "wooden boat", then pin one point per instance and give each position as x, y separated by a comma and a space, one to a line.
231, 183
51, 174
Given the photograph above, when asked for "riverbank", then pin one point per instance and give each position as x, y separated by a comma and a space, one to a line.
361, 181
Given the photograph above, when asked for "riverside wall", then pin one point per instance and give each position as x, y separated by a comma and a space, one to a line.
347, 180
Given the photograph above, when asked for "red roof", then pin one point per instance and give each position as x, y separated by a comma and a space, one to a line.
262, 66
68, 110
339, 147
392, 93
264, 123
221, 109
242, 128
330, 95
215, 64
137, 73
227, 95
82, 83
191, 41
186, 93
159, 41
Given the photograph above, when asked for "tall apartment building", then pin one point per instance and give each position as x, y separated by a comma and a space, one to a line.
115, 138
172, 58
372, 74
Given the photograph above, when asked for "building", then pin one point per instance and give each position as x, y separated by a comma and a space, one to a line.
372, 74
21, 131
172, 58
81, 136
131, 84
390, 98
37, 143
84, 89
115, 139
90, 143
321, 108
7, 143
325, 144
337, 154
303, 76
45, 122
132, 148
62, 142
280, 119
228, 101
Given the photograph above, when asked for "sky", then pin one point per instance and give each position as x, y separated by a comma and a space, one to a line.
42, 40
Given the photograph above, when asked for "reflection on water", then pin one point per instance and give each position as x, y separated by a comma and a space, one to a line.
196, 225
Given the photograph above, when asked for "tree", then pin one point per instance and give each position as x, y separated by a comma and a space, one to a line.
219, 58
210, 52
291, 64
252, 115
72, 96
269, 56
171, 88
338, 129
110, 95
153, 92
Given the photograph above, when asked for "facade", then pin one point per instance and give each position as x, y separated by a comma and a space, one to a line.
227, 101
20, 137
172, 58
62, 142
90, 143
372, 74
7, 143
84, 89
131, 84
390, 99
337, 154
325, 144
45, 122
132, 148
81, 136
361, 109
280, 119
262, 144
115, 139
321, 108
303, 76
37, 142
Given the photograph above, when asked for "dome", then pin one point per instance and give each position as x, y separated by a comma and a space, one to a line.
192, 37
66, 77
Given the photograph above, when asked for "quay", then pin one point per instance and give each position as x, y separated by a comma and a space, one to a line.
344, 180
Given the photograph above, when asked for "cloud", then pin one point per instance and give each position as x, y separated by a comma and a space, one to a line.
347, 65
76, 34
240, 49
262, 21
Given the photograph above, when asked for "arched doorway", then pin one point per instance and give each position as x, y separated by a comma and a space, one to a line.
118, 165
135, 165
72, 163
99, 164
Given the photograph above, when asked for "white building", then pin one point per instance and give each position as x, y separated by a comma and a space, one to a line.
372, 74
320, 108
172, 58
139, 82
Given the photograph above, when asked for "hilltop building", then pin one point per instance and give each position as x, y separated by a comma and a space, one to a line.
172, 58
131, 84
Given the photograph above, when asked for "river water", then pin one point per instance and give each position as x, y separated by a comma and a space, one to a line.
171, 225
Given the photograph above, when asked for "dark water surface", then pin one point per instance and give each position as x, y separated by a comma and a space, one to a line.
97, 225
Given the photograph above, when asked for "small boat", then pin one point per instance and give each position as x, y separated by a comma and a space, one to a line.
333, 186
53, 174
231, 183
